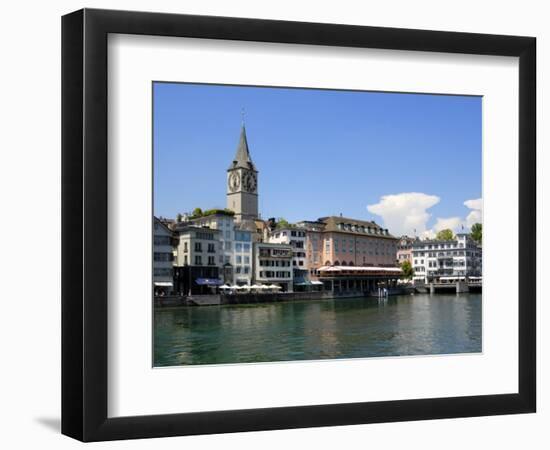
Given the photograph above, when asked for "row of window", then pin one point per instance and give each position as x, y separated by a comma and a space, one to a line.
162, 272
211, 247
198, 260
451, 263
274, 263
239, 259
163, 257
162, 240
204, 235
242, 247
272, 274
361, 229
442, 254
293, 233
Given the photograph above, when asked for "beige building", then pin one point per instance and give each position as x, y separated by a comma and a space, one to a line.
198, 246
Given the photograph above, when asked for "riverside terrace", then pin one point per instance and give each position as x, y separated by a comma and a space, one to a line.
364, 279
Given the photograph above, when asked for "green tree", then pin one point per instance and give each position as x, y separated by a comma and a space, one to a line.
282, 223
197, 212
445, 235
407, 269
178, 217
477, 232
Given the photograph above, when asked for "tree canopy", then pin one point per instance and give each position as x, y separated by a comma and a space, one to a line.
445, 235
282, 223
477, 232
407, 269
198, 212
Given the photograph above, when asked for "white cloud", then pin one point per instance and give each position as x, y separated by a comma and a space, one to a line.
476, 213
406, 212
451, 223
403, 213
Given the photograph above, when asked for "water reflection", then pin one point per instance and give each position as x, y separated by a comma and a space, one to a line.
343, 328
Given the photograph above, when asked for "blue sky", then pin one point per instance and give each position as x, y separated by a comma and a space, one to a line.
322, 152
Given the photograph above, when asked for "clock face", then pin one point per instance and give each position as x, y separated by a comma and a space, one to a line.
234, 181
249, 182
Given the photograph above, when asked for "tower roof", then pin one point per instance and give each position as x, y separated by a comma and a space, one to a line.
242, 157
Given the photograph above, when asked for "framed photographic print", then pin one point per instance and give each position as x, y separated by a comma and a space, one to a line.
273, 224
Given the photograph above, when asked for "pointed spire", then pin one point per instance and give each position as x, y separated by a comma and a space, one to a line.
242, 157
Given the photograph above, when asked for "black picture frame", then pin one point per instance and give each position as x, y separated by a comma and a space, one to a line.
84, 224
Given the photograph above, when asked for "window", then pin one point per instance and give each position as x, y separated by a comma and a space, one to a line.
211, 248
162, 240
247, 259
239, 259
246, 247
162, 272
211, 261
198, 260
185, 247
238, 247
198, 247
163, 257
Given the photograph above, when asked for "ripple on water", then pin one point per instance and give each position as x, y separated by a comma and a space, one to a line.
318, 329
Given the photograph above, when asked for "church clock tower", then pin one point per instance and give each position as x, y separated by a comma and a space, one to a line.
242, 183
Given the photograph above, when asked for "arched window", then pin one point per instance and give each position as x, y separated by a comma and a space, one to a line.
343, 263
336, 263
327, 263
350, 263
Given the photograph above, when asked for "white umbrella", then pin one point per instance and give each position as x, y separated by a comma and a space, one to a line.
274, 286
255, 286
225, 286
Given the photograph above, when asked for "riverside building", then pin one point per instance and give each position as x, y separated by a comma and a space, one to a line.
197, 268
458, 259
296, 238
163, 258
350, 255
341, 241
224, 222
405, 249
273, 265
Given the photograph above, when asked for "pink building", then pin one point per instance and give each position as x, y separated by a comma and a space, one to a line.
404, 249
340, 241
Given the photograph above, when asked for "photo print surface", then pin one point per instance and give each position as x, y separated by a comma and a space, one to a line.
307, 224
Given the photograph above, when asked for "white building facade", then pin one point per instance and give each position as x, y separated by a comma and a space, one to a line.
459, 258
243, 257
225, 224
296, 238
273, 265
